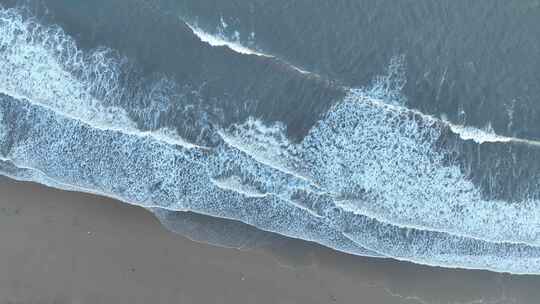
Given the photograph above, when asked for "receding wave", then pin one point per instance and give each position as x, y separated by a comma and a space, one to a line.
370, 178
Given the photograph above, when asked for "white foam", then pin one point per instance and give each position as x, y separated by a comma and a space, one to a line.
266, 144
478, 135
215, 40
222, 40
43, 65
363, 145
151, 174
234, 183
464, 132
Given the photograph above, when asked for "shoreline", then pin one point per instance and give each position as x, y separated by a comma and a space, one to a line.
68, 247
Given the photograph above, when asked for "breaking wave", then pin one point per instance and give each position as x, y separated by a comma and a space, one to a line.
370, 178
216, 40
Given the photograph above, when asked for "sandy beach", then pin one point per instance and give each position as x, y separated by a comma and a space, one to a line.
62, 247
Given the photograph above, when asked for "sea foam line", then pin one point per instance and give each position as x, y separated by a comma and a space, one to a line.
215, 40
221, 40
464, 132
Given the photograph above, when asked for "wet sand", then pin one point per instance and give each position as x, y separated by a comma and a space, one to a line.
62, 247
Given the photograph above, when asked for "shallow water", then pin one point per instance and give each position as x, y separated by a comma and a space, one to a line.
390, 281
65, 247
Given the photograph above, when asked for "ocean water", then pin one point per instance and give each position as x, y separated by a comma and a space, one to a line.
155, 105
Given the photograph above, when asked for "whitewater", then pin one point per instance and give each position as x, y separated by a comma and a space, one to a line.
371, 178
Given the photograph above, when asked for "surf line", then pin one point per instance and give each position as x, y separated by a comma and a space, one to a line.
220, 40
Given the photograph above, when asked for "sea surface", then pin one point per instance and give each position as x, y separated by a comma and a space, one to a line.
402, 130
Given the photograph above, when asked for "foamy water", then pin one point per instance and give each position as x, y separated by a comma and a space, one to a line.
368, 178
215, 40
